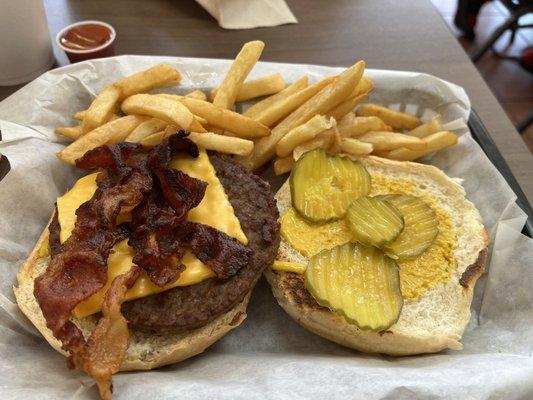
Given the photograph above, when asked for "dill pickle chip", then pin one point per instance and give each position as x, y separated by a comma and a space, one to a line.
323, 186
420, 230
357, 282
374, 222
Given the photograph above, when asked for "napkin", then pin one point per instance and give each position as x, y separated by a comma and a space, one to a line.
247, 14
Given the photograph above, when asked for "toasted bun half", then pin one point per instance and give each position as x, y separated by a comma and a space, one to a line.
146, 350
435, 321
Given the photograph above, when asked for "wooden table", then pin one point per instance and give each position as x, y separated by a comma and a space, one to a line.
388, 34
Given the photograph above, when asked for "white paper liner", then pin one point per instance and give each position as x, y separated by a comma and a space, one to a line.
269, 356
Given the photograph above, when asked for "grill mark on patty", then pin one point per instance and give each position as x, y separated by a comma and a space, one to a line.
190, 307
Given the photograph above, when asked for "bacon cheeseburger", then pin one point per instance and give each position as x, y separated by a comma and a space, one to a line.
150, 259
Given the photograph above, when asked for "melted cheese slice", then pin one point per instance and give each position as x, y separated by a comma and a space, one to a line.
214, 210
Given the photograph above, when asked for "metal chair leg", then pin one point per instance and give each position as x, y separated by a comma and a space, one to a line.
480, 51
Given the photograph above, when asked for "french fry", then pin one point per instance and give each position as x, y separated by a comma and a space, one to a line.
145, 129
322, 141
72, 132
434, 125
364, 86
227, 120
283, 165
435, 142
352, 126
207, 140
263, 86
80, 115
346, 106
303, 133
326, 99
391, 141
222, 144
197, 94
111, 132
201, 120
398, 120
196, 126
159, 107
239, 70
355, 147
143, 81
102, 106
284, 107
262, 105
335, 147
75, 132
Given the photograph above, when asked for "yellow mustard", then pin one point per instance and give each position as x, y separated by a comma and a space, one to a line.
435, 265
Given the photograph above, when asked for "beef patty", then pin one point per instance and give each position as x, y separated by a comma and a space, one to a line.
189, 307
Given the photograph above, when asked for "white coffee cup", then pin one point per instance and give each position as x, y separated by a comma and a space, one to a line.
25, 44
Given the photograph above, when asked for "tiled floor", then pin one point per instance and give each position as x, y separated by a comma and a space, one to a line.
512, 84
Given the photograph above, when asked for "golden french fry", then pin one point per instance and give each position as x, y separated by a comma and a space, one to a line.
352, 126
263, 86
143, 81
72, 132
435, 142
80, 115
111, 132
284, 107
75, 132
201, 120
239, 70
346, 107
262, 105
434, 125
355, 147
283, 165
102, 106
322, 141
197, 94
146, 129
364, 86
196, 126
391, 141
228, 120
156, 138
326, 99
159, 107
222, 144
303, 133
396, 119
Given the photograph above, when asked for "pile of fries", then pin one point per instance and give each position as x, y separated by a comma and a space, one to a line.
286, 123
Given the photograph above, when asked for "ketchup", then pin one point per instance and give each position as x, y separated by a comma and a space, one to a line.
86, 37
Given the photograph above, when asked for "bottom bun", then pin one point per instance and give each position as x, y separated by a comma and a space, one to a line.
145, 350
435, 321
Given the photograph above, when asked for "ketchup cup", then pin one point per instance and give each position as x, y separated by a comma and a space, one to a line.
86, 40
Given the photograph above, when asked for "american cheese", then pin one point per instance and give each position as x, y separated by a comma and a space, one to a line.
214, 210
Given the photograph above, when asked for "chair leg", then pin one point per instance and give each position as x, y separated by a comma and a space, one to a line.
480, 51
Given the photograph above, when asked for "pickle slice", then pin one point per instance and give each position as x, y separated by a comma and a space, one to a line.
420, 230
323, 186
374, 222
357, 282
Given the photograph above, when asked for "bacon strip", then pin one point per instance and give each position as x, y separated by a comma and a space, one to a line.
224, 254
78, 270
106, 347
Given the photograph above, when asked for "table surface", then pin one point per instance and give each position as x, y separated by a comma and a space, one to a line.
385, 33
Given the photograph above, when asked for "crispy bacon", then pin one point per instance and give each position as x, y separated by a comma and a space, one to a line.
78, 270
153, 239
108, 157
224, 254
105, 349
